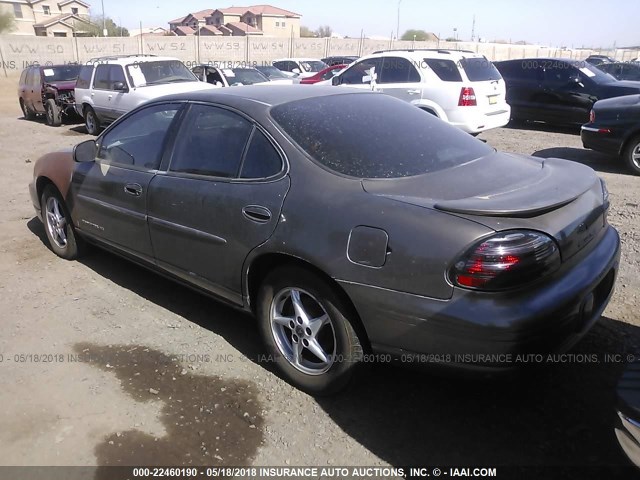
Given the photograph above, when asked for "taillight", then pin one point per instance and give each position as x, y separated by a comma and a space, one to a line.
467, 97
506, 260
592, 116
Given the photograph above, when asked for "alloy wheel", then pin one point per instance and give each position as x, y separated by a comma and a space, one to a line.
635, 156
303, 331
56, 222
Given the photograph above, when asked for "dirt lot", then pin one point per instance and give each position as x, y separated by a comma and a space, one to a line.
136, 370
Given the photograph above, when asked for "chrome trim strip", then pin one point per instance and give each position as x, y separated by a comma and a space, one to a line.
188, 230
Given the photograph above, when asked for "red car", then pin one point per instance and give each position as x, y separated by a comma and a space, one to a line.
326, 74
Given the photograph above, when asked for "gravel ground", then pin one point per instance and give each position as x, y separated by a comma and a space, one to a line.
120, 366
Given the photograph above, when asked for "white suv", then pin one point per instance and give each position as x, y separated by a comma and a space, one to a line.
109, 87
460, 87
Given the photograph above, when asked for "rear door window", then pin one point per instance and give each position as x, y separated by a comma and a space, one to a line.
211, 142
101, 79
262, 159
398, 70
480, 69
446, 70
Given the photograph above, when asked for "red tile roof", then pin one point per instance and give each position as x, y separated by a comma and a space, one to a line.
271, 10
212, 29
245, 27
185, 30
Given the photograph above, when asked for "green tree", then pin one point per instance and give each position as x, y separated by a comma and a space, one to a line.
113, 30
420, 35
7, 22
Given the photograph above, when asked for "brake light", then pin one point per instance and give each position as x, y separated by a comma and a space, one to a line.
506, 260
467, 97
592, 116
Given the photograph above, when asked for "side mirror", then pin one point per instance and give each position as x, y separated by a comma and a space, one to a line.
337, 80
219, 84
85, 151
120, 87
296, 70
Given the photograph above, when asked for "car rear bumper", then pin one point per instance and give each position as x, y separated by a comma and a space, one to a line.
480, 330
600, 140
476, 121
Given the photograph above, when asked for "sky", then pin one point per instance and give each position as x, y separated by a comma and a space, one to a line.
570, 23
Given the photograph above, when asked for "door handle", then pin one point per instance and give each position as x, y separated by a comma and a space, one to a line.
134, 189
414, 92
257, 213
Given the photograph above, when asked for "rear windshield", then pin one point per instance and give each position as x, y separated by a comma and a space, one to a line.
272, 72
480, 69
446, 70
352, 134
61, 74
313, 65
244, 76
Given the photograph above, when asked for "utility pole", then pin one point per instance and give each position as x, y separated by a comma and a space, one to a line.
473, 29
104, 21
398, 26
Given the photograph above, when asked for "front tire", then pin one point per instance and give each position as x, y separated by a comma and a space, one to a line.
632, 155
308, 330
58, 225
91, 121
53, 113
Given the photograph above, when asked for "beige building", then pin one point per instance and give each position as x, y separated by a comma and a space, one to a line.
48, 18
261, 20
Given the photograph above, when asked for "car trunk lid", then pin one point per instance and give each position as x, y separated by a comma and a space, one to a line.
507, 191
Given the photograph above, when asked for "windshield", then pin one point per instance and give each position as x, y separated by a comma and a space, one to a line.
594, 73
154, 73
271, 72
480, 69
65, 73
243, 76
351, 134
313, 65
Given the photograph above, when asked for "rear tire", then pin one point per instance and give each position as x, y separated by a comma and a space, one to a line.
631, 155
53, 113
91, 121
58, 225
26, 111
309, 334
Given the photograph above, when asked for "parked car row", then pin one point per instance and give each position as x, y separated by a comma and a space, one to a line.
462, 88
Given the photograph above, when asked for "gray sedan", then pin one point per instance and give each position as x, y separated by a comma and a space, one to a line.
354, 226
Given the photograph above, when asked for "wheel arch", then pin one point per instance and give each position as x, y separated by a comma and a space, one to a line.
261, 265
54, 168
433, 109
634, 133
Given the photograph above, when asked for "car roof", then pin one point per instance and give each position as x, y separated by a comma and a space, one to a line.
297, 59
269, 95
545, 59
427, 53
